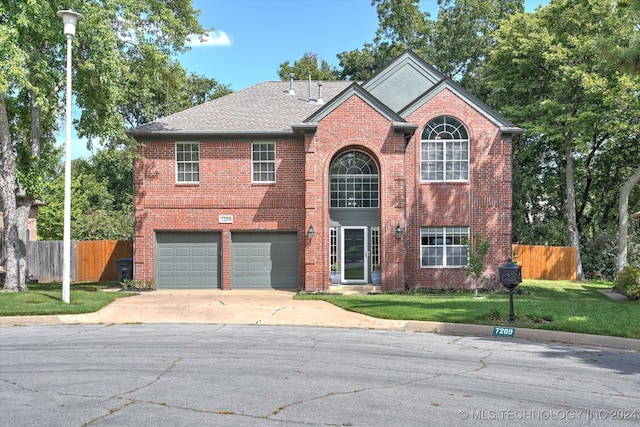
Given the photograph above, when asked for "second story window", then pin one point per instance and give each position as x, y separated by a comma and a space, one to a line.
444, 150
187, 162
354, 181
264, 162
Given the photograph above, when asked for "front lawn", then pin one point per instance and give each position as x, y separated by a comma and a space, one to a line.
539, 304
46, 298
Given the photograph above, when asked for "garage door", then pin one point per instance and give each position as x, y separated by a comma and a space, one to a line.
264, 260
187, 260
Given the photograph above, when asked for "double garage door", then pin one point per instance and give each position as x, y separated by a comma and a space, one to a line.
191, 260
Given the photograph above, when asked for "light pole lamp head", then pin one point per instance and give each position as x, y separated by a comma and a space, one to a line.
70, 19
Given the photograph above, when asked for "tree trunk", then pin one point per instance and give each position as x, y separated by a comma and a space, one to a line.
623, 214
14, 247
572, 222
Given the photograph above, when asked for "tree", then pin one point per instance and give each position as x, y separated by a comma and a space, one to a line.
401, 25
31, 41
624, 219
102, 194
308, 65
581, 114
456, 42
463, 35
156, 86
625, 56
477, 250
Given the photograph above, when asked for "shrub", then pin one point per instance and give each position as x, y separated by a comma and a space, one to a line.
628, 282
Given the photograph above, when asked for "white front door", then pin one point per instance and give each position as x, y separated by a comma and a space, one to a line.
354, 255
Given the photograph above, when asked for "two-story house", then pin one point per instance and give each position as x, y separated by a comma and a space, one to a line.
273, 185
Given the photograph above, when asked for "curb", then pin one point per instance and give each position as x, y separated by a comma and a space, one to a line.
527, 334
458, 329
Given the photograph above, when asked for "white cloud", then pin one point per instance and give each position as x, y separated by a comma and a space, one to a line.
213, 38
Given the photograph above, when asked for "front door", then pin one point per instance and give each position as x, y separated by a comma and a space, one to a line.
354, 255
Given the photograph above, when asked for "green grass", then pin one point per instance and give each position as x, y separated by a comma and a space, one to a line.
540, 304
46, 298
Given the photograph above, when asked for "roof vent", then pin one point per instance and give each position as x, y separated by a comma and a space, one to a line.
320, 101
310, 99
291, 91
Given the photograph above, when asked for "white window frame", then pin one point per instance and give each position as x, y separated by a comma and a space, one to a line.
359, 189
186, 158
448, 240
333, 246
451, 134
374, 238
268, 161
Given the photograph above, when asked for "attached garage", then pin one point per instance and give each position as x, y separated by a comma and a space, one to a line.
264, 260
187, 260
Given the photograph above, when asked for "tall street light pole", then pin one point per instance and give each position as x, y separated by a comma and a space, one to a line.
70, 19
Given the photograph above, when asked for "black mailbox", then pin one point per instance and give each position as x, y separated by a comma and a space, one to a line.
510, 277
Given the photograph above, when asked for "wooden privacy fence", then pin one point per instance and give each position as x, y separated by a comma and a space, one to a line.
91, 261
546, 262
96, 259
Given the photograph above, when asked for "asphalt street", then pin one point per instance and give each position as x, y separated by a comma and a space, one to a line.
255, 375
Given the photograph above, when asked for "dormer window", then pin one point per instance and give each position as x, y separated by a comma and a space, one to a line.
444, 150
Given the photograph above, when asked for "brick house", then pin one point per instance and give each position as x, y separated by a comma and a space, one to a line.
273, 185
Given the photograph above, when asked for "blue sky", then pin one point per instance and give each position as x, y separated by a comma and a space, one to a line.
251, 38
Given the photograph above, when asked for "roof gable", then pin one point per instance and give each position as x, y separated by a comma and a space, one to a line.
357, 90
402, 81
505, 125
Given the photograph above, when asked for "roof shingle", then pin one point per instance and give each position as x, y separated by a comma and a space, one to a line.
264, 108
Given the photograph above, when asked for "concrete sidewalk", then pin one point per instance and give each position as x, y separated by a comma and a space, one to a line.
274, 307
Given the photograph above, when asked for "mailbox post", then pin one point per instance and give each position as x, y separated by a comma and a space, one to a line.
510, 277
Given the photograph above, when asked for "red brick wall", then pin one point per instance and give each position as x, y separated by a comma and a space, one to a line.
300, 196
483, 204
225, 187
354, 124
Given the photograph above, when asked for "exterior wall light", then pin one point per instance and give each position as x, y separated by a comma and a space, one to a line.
311, 233
398, 232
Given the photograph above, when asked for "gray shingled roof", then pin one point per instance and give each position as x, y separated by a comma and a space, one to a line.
265, 108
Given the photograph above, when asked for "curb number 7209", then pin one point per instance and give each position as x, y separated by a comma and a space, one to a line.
499, 331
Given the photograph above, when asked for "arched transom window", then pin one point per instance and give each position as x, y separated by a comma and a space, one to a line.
444, 152
354, 181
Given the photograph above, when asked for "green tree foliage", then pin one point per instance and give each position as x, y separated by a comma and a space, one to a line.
401, 25
457, 41
626, 56
102, 199
156, 86
463, 35
308, 65
582, 117
109, 39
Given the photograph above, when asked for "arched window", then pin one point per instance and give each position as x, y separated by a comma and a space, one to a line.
354, 181
444, 150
